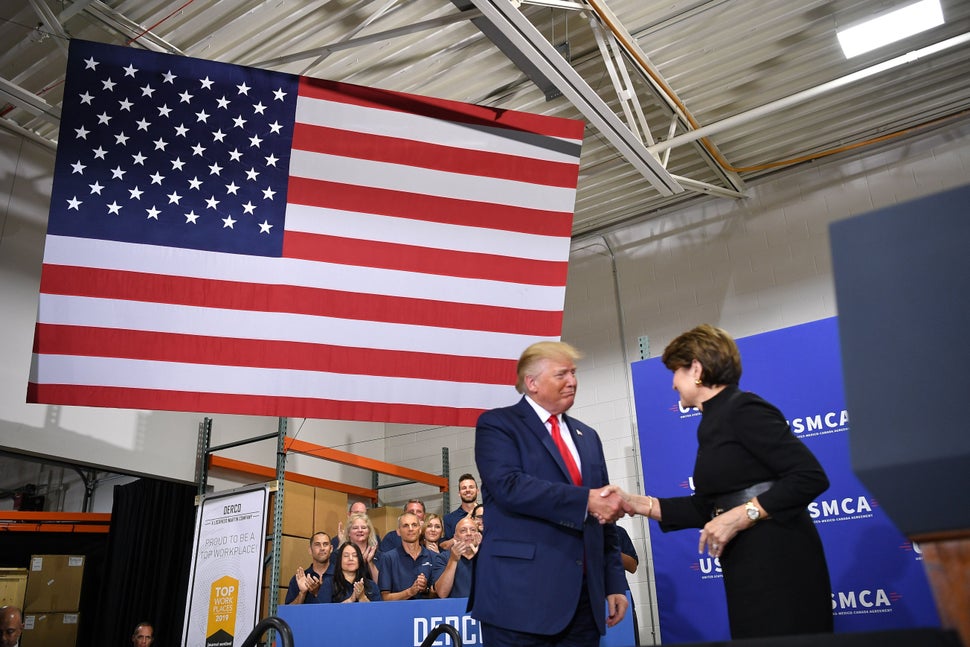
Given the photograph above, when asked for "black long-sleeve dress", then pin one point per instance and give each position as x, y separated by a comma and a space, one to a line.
775, 575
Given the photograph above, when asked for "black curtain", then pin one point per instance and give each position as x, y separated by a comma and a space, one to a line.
147, 562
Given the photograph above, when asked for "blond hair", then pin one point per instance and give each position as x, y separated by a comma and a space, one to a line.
536, 353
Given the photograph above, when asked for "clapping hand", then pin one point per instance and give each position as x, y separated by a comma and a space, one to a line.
464, 549
420, 584
312, 584
301, 579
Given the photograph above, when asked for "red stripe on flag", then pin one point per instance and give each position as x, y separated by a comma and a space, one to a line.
430, 208
225, 351
423, 260
212, 293
453, 159
256, 405
443, 109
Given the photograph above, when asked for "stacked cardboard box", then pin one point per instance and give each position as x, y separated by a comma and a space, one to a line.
13, 586
385, 518
46, 629
52, 599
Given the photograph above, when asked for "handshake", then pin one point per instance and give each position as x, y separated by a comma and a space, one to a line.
610, 503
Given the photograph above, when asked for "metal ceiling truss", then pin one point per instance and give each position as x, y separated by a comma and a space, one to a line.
505, 25
119, 22
631, 138
533, 46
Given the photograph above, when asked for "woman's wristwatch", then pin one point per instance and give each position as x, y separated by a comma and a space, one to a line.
752, 511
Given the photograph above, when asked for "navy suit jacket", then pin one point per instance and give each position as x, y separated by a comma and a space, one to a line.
529, 568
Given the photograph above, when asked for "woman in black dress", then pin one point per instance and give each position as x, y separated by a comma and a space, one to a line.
753, 481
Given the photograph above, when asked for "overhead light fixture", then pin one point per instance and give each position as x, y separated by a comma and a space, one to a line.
890, 27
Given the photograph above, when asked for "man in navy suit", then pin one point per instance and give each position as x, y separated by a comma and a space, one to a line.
547, 567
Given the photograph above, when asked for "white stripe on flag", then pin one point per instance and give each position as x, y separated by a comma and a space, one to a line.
276, 326
412, 179
403, 125
404, 231
151, 259
235, 380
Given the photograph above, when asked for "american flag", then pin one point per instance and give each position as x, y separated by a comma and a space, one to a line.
227, 239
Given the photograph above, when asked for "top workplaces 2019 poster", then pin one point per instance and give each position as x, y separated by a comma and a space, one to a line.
878, 581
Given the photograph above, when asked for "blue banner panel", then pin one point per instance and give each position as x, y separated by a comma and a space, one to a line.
400, 623
877, 573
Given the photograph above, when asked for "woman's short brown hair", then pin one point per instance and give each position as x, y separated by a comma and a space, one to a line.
713, 348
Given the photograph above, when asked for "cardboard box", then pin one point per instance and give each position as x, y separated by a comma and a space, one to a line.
385, 519
329, 510
46, 629
294, 552
297, 510
54, 583
13, 586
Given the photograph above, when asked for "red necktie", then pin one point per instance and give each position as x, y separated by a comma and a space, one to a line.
567, 455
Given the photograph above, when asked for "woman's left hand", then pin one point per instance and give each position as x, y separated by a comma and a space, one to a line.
722, 529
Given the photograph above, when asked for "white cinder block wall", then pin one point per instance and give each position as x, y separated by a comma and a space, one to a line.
748, 266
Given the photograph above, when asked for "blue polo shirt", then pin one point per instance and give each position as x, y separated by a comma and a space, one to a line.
294, 588
451, 521
462, 585
398, 570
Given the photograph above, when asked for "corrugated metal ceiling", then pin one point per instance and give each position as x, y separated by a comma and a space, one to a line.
720, 58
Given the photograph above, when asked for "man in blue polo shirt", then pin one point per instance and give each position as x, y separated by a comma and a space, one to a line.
392, 539
305, 585
452, 573
468, 493
405, 571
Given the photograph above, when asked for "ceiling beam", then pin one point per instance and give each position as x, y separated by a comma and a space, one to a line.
53, 24
118, 21
350, 43
17, 129
532, 45
806, 95
29, 101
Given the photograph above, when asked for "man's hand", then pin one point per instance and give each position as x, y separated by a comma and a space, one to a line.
301, 580
606, 504
312, 584
462, 548
616, 608
420, 584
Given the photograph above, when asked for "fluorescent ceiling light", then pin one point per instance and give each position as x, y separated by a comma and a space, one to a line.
890, 27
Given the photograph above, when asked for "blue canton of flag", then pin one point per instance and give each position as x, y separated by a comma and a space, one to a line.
173, 151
